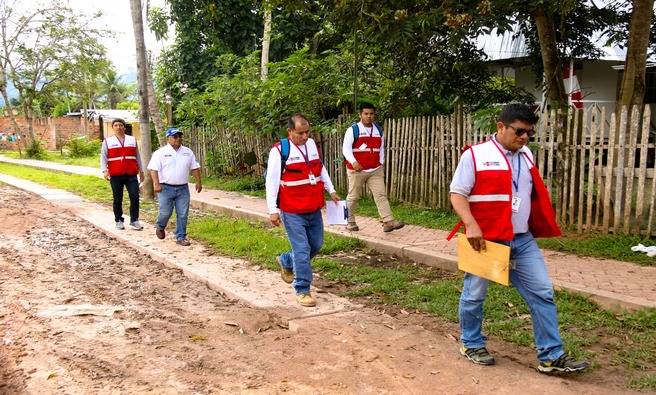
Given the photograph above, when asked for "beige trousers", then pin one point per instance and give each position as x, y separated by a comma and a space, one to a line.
375, 181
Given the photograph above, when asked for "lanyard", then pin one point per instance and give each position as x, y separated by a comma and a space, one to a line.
305, 155
519, 172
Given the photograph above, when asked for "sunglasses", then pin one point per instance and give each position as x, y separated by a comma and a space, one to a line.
520, 131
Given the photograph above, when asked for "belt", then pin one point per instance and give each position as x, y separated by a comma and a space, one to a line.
171, 185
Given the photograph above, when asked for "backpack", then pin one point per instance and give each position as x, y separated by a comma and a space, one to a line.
284, 155
356, 131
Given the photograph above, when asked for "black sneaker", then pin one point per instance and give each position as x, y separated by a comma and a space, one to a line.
478, 356
564, 363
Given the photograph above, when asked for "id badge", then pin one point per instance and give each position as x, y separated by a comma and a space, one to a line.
515, 204
313, 180
363, 147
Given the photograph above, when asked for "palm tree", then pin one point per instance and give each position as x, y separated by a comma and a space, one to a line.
113, 89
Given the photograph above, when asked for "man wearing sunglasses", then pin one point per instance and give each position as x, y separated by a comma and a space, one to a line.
499, 196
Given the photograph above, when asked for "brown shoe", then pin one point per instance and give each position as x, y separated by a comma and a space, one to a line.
306, 300
183, 242
161, 234
392, 225
353, 227
286, 274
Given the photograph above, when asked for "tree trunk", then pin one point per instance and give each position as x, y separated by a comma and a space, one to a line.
142, 87
154, 110
632, 90
85, 116
551, 61
266, 42
28, 113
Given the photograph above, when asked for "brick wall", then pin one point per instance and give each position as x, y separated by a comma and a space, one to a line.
52, 132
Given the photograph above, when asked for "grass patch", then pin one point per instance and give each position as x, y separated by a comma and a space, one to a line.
50, 156
643, 382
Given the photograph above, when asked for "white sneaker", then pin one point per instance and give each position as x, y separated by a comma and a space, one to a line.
119, 225
136, 225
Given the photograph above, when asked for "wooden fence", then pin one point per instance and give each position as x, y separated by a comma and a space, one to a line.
601, 176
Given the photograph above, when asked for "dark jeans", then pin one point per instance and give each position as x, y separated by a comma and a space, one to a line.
131, 183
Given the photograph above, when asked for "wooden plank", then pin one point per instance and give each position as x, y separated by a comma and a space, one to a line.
594, 129
582, 156
442, 164
424, 191
603, 145
642, 171
609, 173
619, 168
402, 146
568, 190
632, 136
391, 139
550, 162
411, 159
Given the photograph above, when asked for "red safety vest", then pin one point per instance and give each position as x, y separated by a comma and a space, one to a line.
490, 199
366, 149
122, 158
297, 194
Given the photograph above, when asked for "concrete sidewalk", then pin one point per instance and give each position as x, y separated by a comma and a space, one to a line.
612, 284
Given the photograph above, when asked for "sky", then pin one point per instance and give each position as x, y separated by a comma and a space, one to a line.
121, 49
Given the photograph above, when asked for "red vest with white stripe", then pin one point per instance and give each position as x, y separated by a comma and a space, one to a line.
297, 194
366, 149
491, 198
122, 158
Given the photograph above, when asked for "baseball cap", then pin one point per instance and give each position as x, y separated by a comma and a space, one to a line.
173, 131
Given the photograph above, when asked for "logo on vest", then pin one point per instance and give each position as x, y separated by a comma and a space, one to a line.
497, 164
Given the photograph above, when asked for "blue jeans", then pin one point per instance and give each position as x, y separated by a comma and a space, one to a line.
131, 183
305, 233
530, 278
178, 196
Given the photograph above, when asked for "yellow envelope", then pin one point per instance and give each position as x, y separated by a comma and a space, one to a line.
493, 264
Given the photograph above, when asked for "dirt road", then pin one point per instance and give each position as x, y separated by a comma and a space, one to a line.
81, 313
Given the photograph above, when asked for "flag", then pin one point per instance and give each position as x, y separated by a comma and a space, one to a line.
575, 95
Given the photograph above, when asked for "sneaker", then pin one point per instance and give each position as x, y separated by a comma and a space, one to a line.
306, 300
286, 274
477, 355
183, 242
136, 225
564, 363
392, 225
119, 225
161, 234
353, 227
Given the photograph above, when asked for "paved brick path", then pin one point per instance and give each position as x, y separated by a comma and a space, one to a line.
612, 284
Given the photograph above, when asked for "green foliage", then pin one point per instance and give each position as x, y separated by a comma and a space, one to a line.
79, 147
35, 150
315, 85
128, 105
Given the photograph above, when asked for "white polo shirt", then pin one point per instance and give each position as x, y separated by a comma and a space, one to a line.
173, 167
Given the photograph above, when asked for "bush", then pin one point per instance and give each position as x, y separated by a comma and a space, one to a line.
36, 151
79, 147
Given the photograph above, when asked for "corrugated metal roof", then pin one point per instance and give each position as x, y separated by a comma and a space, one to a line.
512, 45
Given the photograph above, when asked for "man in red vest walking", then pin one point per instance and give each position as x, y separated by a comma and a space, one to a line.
295, 196
499, 196
120, 163
365, 158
